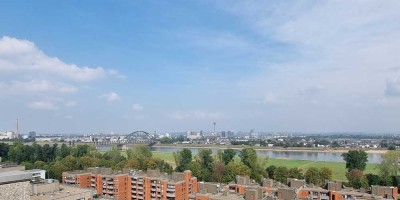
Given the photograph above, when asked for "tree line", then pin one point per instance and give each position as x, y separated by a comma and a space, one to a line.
56, 159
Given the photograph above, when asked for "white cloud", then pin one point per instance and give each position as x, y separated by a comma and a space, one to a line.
71, 104
198, 115
137, 107
111, 97
24, 56
43, 105
37, 86
116, 73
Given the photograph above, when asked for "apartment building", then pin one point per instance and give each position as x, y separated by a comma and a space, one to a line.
134, 184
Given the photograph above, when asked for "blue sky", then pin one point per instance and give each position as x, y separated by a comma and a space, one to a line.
102, 66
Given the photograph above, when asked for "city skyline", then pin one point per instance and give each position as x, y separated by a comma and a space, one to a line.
309, 66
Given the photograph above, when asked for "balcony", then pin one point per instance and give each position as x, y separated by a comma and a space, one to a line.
110, 182
134, 186
69, 180
170, 194
93, 185
170, 189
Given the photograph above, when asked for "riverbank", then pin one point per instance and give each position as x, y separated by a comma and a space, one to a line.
291, 149
338, 168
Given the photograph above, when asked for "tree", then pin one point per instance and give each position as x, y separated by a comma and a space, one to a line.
357, 179
64, 151
228, 155
325, 174
70, 163
195, 167
56, 169
16, 152
233, 169
86, 161
182, 158
373, 179
389, 167
205, 159
218, 171
271, 171
295, 172
312, 176
355, 159
139, 151
166, 140
248, 157
281, 174
28, 165
4, 147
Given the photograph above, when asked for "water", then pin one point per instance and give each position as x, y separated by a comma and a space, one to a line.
292, 155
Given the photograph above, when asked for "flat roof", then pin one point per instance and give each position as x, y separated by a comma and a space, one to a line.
14, 176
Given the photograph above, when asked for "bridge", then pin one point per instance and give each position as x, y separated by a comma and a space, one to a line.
137, 137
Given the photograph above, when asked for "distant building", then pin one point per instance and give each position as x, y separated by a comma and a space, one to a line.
192, 135
32, 135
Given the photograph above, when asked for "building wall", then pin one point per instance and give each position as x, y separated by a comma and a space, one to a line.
15, 191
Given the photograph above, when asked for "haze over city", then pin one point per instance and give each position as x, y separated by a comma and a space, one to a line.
308, 66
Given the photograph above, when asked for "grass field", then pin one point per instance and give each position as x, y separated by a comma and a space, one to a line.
338, 168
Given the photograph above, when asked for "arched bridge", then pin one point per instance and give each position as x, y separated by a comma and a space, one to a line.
137, 137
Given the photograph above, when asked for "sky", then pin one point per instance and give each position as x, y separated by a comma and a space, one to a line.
122, 66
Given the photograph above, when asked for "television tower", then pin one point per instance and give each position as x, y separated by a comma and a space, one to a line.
214, 126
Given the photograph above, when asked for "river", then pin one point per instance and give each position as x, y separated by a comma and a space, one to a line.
292, 155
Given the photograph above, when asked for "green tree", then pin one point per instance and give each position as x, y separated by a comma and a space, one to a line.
4, 148
325, 174
357, 179
312, 176
373, 179
183, 157
28, 165
281, 174
139, 151
196, 168
228, 155
166, 140
355, 159
205, 159
390, 164
70, 163
296, 172
113, 156
37, 152
40, 165
64, 151
233, 169
86, 162
56, 169
16, 152
271, 171
248, 157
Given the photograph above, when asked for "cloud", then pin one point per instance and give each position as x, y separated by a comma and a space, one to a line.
197, 115
71, 104
43, 105
137, 107
23, 56
392, 88
116, 73
111, 97
37, 86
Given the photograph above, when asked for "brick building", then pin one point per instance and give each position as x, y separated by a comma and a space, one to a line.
135, 185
